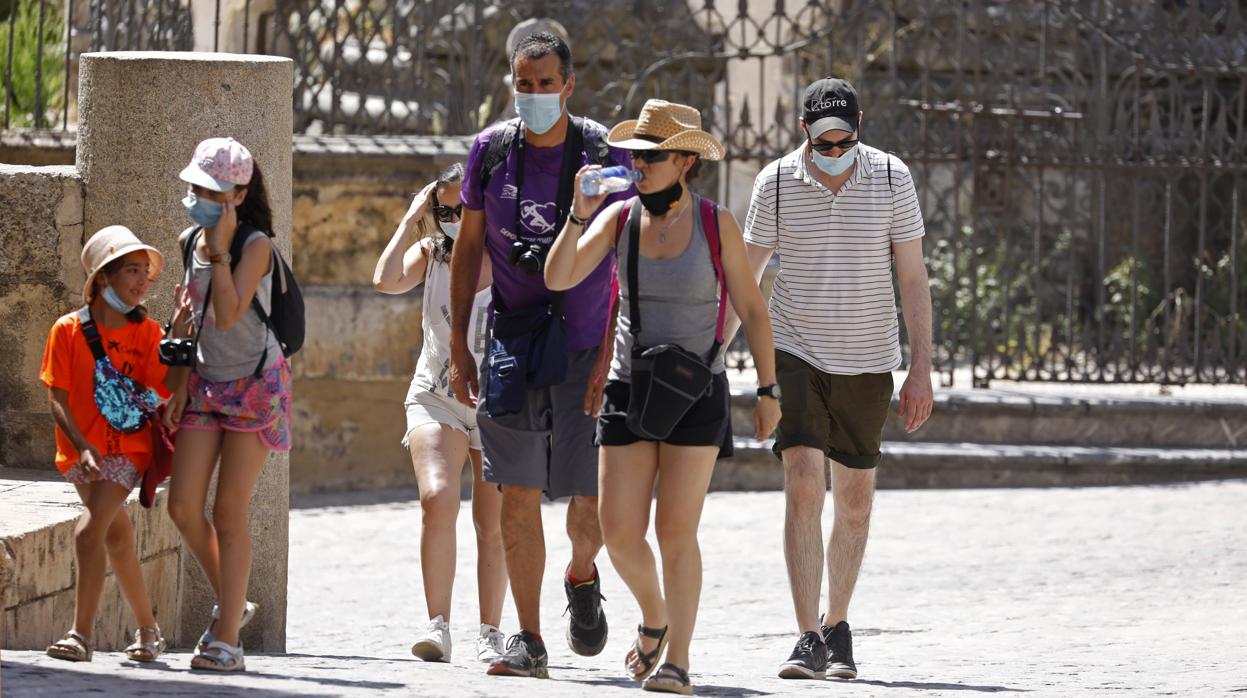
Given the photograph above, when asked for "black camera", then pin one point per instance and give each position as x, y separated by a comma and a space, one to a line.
177, 352
530, 257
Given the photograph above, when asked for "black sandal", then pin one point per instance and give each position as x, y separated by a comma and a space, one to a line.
645, 661
669, 679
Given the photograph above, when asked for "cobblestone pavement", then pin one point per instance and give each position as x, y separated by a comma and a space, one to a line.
1061, 592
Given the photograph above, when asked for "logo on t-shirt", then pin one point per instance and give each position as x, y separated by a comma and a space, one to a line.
539, 218
509, 192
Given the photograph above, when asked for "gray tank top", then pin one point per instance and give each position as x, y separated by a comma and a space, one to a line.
231, 354
679, 298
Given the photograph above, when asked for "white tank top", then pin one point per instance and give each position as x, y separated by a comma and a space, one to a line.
433, 368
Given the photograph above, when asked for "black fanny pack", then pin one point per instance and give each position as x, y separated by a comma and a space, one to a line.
667, 380
527, 349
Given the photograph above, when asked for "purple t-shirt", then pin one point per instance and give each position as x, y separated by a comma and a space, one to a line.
586, 306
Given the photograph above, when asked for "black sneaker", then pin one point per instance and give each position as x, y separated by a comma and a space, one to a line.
586, 629
808, 659
839, 651
525, 656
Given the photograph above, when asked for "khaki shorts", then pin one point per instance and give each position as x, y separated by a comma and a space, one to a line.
841, 415
427, 407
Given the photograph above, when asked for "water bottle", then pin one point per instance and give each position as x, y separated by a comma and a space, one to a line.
608, 180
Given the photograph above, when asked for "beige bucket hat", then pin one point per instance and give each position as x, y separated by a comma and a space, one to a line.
114, 242
678, 125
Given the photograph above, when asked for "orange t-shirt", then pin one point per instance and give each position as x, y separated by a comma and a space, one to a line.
68, 364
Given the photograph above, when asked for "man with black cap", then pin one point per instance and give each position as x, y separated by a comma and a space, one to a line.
839, 212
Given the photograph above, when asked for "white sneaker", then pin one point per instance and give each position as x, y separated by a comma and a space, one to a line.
489, 644
435, 645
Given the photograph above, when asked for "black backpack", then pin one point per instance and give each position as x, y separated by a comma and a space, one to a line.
591, 134
287, 321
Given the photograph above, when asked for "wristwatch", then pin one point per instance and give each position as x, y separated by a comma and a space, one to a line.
223, 258
771, 391
576, 220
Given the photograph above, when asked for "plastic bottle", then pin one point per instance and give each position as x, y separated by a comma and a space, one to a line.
608, 180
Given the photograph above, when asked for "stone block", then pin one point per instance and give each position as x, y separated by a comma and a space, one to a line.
36, 203
348, 436
354, 332
38, 564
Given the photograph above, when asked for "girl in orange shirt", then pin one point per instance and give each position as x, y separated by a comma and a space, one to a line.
104, 380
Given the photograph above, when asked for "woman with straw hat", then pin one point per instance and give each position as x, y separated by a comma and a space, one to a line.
680, 259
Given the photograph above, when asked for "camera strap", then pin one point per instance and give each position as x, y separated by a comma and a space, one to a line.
573, 156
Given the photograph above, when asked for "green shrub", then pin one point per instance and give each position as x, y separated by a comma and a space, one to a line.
26, 44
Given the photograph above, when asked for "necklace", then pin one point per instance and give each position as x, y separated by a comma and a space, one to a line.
662, 236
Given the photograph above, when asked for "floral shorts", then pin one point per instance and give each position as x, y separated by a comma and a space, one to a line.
118, 469
248, 404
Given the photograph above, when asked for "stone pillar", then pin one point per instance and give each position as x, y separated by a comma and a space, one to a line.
141, 115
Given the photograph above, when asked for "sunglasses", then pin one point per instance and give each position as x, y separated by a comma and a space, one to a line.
823, 147
446, 214
652, 156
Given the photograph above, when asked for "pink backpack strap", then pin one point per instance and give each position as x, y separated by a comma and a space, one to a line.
710, 225
620, 222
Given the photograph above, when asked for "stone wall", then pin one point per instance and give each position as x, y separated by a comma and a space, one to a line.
362, 346
41, 277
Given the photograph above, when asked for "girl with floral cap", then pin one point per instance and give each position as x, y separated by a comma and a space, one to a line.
233, 404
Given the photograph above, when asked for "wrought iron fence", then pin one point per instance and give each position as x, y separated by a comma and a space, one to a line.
1080, 162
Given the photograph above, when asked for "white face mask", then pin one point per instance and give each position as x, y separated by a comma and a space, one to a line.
450, 229
539, 112
834, 165
114, 301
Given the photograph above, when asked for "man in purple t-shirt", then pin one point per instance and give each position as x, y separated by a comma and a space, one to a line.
547, 446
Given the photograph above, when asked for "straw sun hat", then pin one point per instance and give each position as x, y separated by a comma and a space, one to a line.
678, 125
113, 242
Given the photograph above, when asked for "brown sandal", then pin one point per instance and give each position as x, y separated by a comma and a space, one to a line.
645, 661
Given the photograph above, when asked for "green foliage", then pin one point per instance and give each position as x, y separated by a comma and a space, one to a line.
26, 71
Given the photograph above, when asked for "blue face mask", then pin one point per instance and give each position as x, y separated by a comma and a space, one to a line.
835, 166
204, 212
539, 112
450, 229
114, 301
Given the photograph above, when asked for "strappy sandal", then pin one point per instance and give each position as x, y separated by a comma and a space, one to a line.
146, 651
248, 612
669, 679
227, 658
641, 664
73, 647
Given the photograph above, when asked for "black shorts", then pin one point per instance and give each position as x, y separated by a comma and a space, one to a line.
707, 423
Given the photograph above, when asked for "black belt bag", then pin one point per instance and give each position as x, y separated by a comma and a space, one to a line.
667, 380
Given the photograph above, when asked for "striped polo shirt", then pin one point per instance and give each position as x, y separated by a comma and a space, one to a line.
833, 305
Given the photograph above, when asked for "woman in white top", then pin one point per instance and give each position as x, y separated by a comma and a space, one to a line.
441, 431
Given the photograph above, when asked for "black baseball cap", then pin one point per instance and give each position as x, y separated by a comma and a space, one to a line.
830, 103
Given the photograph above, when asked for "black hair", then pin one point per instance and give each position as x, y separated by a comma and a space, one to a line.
442, 244
540, 45
139, 313
255, 210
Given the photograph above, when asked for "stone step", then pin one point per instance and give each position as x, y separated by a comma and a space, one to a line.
1002, 417
960, 465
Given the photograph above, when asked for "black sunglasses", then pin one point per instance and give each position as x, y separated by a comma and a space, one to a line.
651, 156
826, 147
446, 214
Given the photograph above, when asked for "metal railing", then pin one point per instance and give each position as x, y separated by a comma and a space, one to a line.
1080, 163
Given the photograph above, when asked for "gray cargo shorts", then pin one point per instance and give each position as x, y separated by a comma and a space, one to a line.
548, 445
